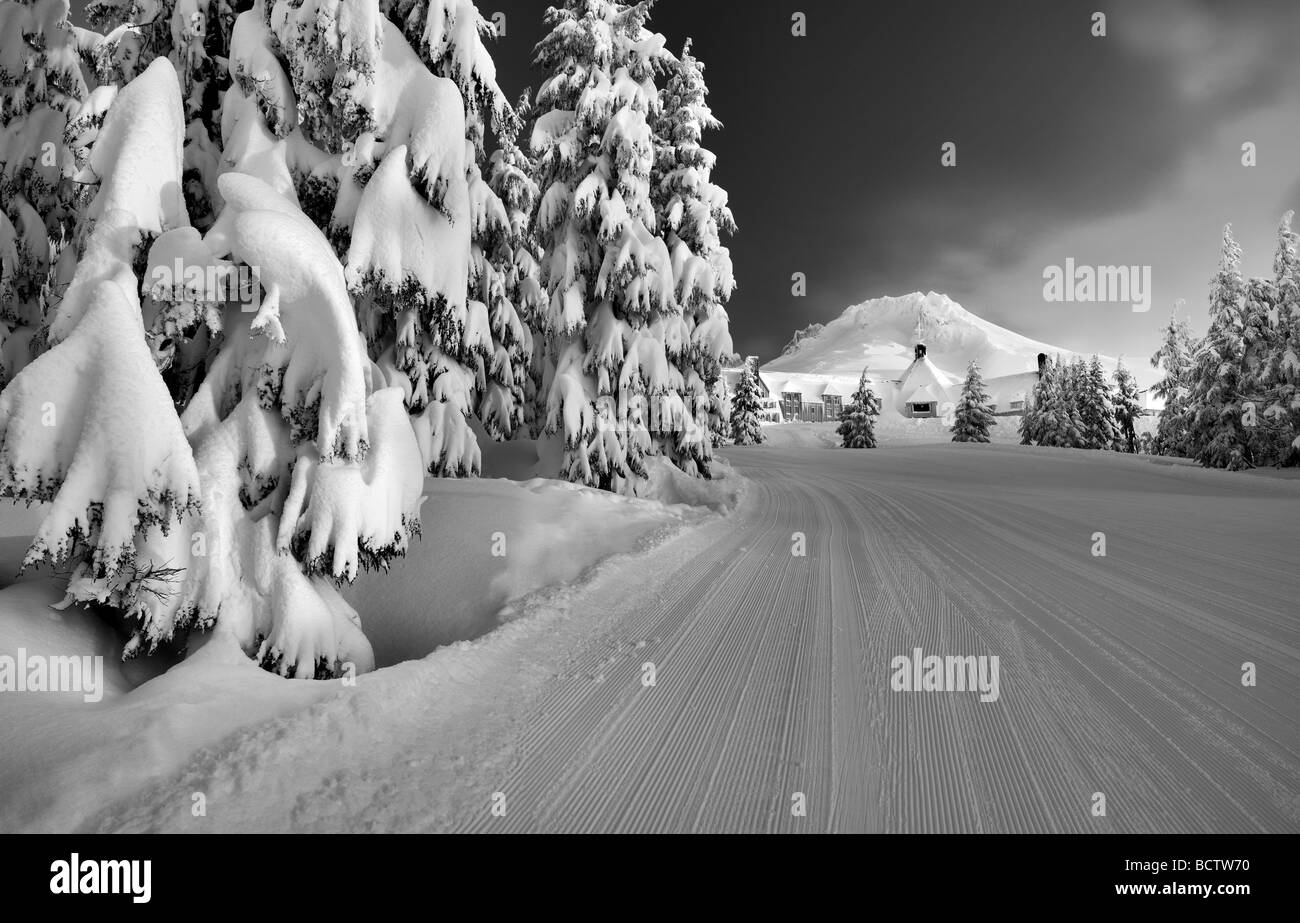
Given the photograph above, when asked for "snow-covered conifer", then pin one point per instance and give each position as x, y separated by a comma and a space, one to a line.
238, 495
449, 37
1128, 409
1031, 421
1096, 409
1219, 437
612, 322
1174, 360
50, 109
720, 409
195, 36
974, 415
511, 396
693, 213
1278, 378
857, 429
333, 108
746, 423
1057, 421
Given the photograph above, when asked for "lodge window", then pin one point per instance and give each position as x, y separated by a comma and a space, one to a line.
833, 405
921, 408
1017, 405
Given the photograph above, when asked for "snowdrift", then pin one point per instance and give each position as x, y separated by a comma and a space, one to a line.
449, 590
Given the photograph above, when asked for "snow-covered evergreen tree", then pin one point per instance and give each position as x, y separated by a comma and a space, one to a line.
515, 379
1075, 385
612, 322
720, 409
1096, 409
1174, 360
693, 213
449, 36
194, 35
857, 429
1277, 377
1268, 435
1219, 438
1031, 427
746, 422
291, 459
974, 414
1128, 409
50, 111
1053, 419
332, 104
1028, 424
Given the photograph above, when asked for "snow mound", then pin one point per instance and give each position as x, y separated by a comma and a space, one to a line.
666, 483
492, 543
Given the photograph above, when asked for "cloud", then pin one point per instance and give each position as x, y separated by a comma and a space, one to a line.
1213, 53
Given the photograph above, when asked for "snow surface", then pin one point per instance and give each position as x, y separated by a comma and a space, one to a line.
1118, 674
448, 590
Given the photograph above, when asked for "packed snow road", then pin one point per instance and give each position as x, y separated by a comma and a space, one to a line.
776, 702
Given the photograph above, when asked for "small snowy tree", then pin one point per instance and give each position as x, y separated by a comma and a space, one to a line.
1174, 360
1128, 409
1215, 421
746, 423
1096, 409
720, 409
974, 414
1028, 424
1054, 419
857, 429
1031, 421
612, 322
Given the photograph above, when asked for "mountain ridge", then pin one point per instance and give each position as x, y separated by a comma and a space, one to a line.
879, 334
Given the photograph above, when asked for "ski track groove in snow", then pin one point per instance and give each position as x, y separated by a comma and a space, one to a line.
1119, 674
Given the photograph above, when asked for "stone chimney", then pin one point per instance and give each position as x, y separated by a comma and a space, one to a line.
1042, 364
920, 350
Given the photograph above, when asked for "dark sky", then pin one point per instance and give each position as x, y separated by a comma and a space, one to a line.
1122, 149
1117, 150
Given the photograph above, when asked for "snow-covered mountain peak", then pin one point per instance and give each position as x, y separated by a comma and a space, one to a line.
881, 334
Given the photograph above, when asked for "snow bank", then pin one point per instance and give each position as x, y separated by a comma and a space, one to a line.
667, 484
452, 588
492, 543
62, 759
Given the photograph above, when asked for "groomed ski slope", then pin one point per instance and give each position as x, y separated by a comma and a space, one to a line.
1118, 674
